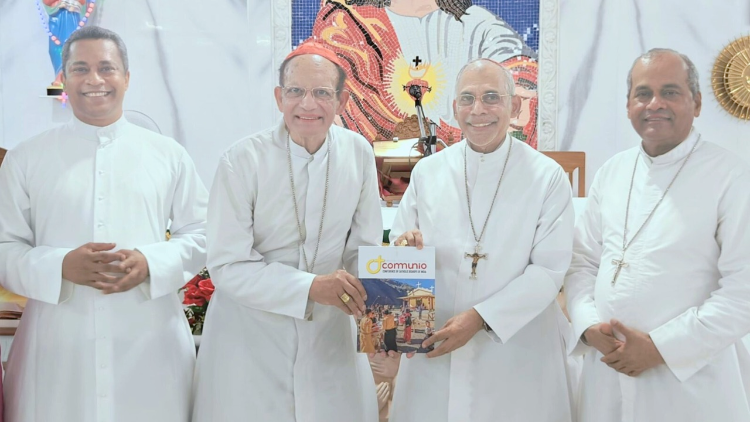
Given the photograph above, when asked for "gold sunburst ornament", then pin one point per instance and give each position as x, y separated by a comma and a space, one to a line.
731, 78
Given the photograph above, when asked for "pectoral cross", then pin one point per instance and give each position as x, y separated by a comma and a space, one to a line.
475, 257
620, 263
417, 61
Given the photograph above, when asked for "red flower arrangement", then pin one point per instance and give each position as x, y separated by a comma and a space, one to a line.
198, 292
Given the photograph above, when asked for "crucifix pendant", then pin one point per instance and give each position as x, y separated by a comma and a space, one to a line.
475, 257
620, 264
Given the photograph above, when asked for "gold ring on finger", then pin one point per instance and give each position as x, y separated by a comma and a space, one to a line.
345, 298
404, 243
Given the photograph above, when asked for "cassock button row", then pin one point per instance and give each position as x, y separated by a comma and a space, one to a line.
101, 198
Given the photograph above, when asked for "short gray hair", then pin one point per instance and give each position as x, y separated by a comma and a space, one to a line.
693, 78
94, 33
510, 84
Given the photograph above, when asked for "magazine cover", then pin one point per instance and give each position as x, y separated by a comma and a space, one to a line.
400, 285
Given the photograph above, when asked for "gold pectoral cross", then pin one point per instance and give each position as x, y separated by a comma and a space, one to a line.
475, 257
620, 263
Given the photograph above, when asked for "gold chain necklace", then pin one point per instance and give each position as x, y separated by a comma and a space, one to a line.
620, 263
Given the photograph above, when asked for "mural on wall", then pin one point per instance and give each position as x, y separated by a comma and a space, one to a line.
388, 46
60, 19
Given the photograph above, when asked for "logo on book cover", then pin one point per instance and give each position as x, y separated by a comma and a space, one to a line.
382, 266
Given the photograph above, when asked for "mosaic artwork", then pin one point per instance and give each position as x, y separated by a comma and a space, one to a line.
389, 46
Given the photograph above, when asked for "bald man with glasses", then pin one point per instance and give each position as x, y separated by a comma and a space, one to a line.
502, 227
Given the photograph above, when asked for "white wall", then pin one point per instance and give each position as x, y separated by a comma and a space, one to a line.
201, 72
599, 39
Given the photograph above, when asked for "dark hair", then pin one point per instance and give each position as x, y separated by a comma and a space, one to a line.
339, 82
456, 8
367, 311
94, 33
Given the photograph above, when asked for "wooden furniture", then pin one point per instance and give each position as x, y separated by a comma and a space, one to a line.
571, 161
396, 161
2, 155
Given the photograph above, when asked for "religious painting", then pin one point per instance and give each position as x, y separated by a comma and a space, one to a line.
393, 49
400, 286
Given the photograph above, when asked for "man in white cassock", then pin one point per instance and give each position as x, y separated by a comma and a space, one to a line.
84, 209
500, 216
659, 287
289, 208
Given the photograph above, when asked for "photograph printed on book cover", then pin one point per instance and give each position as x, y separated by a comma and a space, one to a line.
400, 312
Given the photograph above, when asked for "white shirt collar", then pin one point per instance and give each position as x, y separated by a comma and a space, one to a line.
675, 154
101, 134
495, 156
281, 137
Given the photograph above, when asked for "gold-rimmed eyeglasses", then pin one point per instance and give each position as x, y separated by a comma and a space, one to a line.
320, 94
488, 99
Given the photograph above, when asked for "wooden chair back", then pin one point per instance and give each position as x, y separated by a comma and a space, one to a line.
571, 161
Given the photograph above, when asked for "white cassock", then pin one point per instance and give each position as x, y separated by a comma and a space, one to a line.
687, 285
267, 352
441, 41
79, 355
517, 373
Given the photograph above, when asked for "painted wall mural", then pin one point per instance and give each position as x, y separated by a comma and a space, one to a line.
390, 45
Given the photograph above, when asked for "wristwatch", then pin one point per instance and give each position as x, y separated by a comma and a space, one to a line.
486, 326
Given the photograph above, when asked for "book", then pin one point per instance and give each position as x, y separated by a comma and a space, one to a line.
400, 286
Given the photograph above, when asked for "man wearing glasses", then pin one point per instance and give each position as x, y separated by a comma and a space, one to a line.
501, 222
289, 208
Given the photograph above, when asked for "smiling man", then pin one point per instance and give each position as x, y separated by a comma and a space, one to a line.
658, 290
83, 213
289, 208
500, 217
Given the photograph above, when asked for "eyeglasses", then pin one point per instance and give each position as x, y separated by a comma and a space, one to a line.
321, 94
488, 99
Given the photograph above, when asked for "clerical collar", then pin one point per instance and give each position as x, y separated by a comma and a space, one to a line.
676, 154
495, 156
101, 134
281, 136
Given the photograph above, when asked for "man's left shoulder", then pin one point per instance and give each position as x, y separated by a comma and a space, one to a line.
159, 142
346, 138
536, 161
721, 158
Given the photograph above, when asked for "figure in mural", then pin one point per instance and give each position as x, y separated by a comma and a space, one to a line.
388, 46
64, 17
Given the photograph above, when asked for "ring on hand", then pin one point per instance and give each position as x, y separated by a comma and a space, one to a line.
404, 243
345, 298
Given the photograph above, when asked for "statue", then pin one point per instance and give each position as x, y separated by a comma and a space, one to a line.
63, 18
